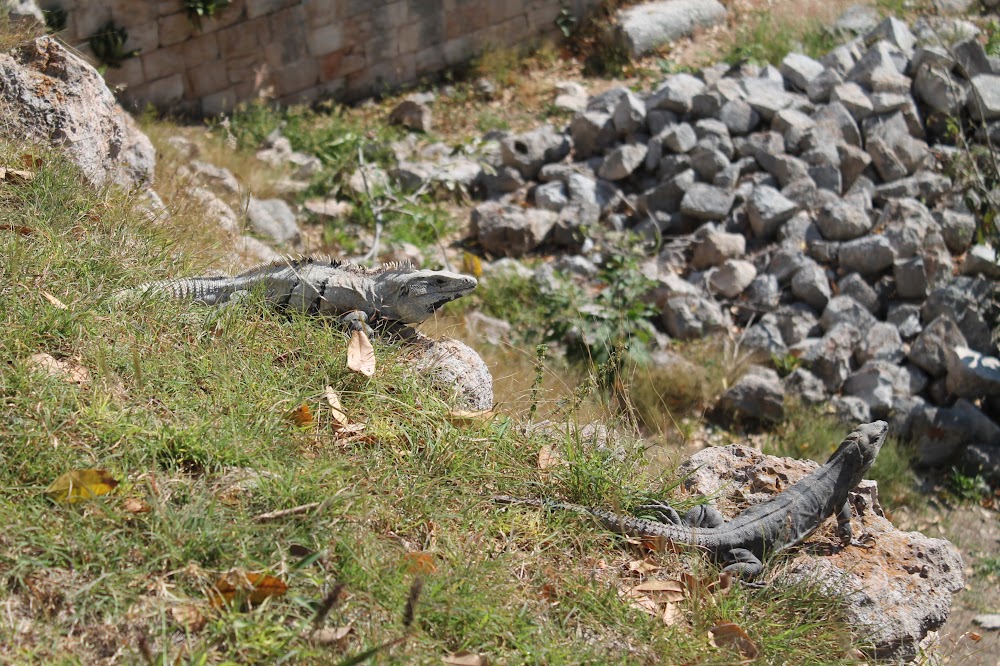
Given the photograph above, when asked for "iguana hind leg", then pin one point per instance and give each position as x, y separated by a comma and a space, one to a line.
661, 512
704, 515
742, 563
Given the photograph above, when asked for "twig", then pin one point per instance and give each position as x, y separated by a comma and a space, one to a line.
294, 511
376, 210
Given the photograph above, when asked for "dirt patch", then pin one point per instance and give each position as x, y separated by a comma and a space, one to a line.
976, 532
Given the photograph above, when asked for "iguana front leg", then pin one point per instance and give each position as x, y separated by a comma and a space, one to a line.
844, 523
355, 320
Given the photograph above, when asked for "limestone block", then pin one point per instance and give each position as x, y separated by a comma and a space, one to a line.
175, 28
201, 50
257, 8
326, 39
208, 78
163, 62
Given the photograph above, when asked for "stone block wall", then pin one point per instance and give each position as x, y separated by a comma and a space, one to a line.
298, 50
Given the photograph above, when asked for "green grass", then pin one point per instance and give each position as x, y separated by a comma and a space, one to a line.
807, 432
189, 409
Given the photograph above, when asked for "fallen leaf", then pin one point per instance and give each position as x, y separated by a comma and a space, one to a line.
466, 658
340, 419
31, 162
549, 457
188, 617
652, 544
18, 176
420, 562
639, 601
80, 485
302, 415
17, 228
249, 588
361, 354
731, 635
973, 636
331, 636
671, 615
135, 505
549, 593
68, 370
461, 417
54, 301
662, 591
643, 566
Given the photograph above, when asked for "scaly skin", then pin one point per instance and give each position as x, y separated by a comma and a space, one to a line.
784, 521
394, 293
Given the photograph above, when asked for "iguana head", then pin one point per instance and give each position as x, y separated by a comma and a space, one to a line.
411, 296
859, 449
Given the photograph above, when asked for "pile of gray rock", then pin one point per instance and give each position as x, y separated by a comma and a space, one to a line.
806, 206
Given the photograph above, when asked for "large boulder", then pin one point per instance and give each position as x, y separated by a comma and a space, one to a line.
898, 591
51, 96
647, 26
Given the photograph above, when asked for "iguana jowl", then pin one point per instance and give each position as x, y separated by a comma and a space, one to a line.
786, 520
393, 293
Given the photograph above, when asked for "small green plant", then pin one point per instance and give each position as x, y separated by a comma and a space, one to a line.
565, 19
988, 567
55, 19
992, 45
966, 487
786, 364
615, 330
108, 45
205, 8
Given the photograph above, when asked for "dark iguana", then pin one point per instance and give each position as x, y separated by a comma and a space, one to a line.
394, 293
784, 521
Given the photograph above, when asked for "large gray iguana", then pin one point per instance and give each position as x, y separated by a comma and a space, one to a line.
784, 521
393, 294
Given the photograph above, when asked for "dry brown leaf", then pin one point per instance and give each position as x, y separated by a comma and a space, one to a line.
639, 601
671, 615
420, 563
302, 415
643, 566
17, 228
249, 588
331, 636
466, 658
340, 419
973, 636
361, 354
662, 591
549, 457
56, 303
135, 505
651, 544
18, 176
460, 417
188, 617
31, 162
731, 635
69, 370
80, 485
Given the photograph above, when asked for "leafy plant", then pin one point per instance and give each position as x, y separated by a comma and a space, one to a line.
108, 45
966, 487
55, 19
992, 45
785, 364
616, 328
565, 19
209, 8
